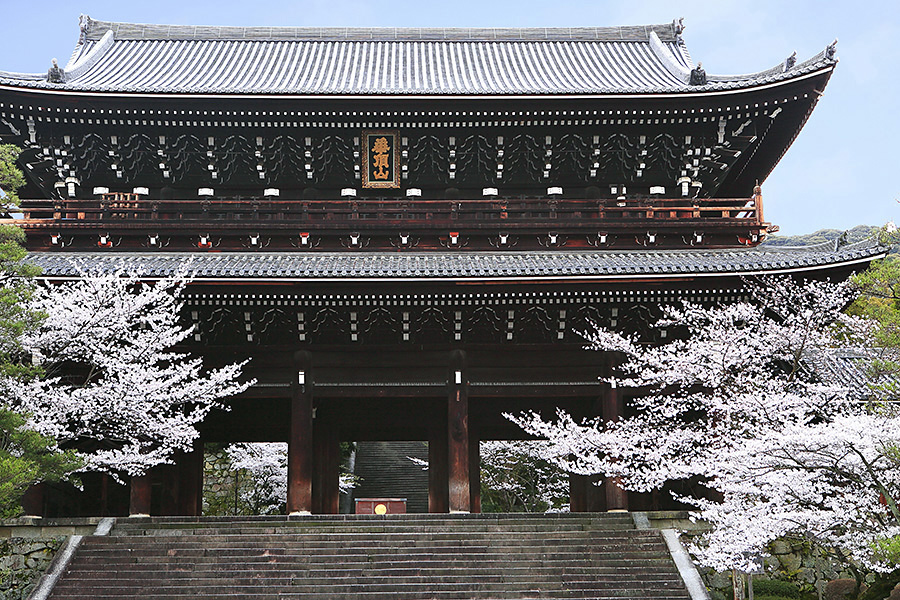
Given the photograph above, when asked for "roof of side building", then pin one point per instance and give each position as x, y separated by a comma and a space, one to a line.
462, 266
175, 59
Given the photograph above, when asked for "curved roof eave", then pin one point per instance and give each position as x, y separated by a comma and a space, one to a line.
140, 60
473, 267
701, 92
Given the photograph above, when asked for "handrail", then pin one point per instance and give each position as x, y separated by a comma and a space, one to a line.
118, 207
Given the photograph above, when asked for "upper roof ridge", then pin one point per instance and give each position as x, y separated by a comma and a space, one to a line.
94, 30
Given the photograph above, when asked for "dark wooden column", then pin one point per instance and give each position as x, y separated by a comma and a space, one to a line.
474, 470
614, 409
331, 497
33, 501
140, 496
169, 480
190, 481
578, 493
438, 492
300, 444
585, 493
326, 467
458, 435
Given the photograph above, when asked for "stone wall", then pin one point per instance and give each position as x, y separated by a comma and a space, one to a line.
22, 561
219, 484
27, 546
794, 562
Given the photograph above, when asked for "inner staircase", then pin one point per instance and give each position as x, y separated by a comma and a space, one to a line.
369, 557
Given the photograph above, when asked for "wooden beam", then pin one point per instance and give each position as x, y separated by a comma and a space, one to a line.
300, 443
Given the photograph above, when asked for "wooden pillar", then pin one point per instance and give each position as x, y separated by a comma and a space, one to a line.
169, 489
140, 496
474, 470
104, 495
438, 492
331, 498
458, 435
300, 444
577, 493
190, 481
585, 493
613, 409
326, 468
33, 501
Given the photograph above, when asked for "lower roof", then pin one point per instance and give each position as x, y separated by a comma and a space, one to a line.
549, 266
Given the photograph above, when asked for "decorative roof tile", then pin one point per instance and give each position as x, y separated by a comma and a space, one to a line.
459, 266
133, 58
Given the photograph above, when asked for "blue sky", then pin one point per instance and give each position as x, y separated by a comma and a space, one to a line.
841, 171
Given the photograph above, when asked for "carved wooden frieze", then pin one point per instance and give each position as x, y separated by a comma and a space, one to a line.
318, 323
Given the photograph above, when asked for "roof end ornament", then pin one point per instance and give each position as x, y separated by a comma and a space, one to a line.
831, 50
840, 241
698, 75
678, 24
790, 61
84, 22
55, 74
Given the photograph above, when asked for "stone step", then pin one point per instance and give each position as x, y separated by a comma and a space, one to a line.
451, 595
379, 580
359, 529
395, 518
374, 558
234, 572
357, 546
154, 589
370, 552
205, 536
432, 560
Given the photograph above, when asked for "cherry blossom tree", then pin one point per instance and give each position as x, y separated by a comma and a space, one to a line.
515, 476
734, 402
265, 464
112, 386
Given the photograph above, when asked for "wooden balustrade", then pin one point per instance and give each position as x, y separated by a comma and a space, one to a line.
392, 211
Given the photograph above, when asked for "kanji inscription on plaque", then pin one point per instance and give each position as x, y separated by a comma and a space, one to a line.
380, 159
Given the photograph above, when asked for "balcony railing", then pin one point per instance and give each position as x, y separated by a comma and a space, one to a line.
393, 211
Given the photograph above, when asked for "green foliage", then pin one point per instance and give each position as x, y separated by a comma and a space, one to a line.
515, 478
879, 299
11, 178
888, 550
775, 588
882, 586
858, 233
27, 458
15, 275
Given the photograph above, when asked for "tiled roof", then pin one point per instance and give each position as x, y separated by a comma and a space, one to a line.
460, 266
125, 57
852, 369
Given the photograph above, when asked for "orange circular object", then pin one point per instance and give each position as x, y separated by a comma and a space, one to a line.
380, 509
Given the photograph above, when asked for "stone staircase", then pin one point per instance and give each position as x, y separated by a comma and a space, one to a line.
367, 557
